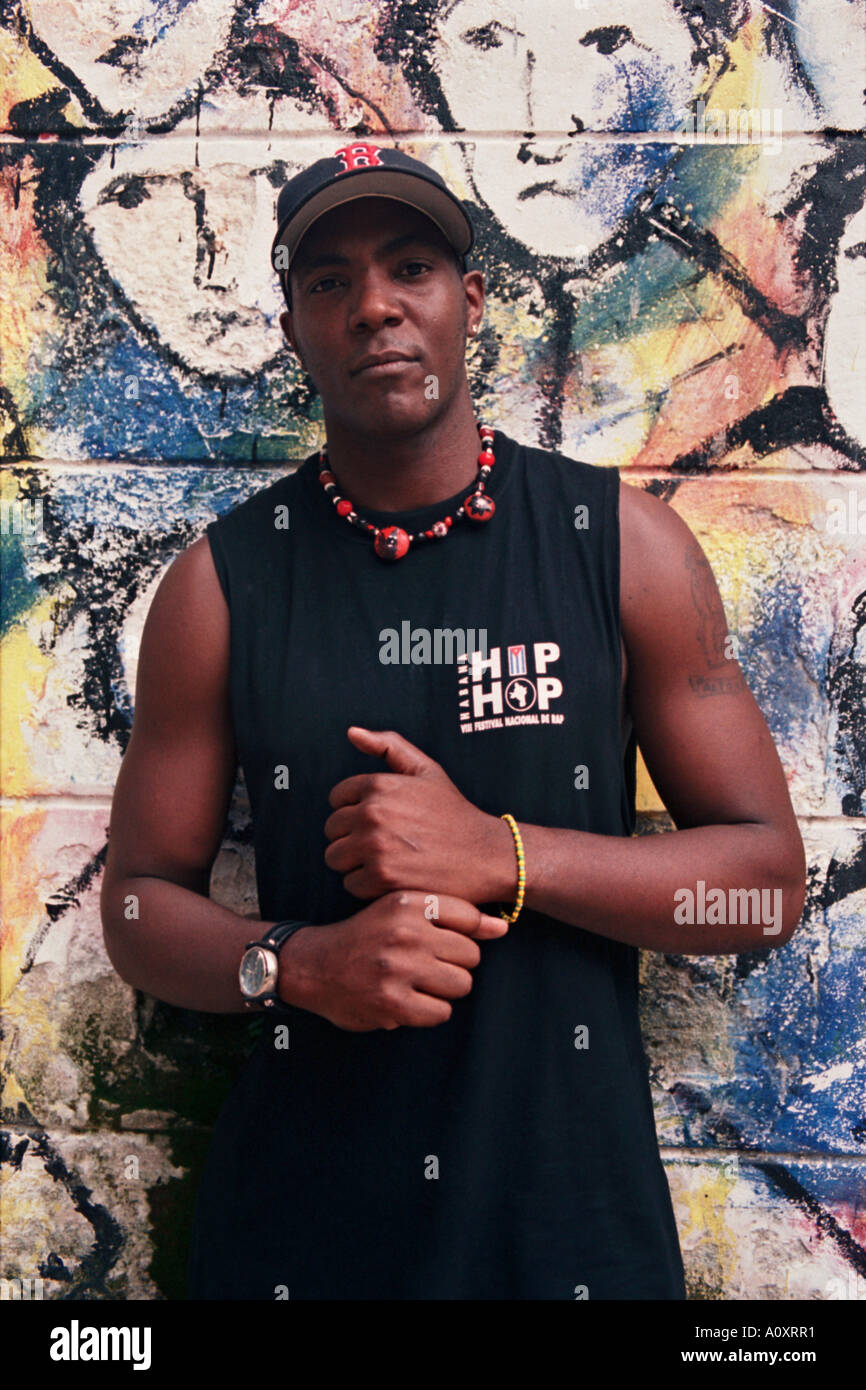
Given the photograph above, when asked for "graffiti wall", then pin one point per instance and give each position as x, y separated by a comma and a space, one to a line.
670, 198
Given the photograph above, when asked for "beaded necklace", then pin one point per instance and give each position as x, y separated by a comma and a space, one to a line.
392, 542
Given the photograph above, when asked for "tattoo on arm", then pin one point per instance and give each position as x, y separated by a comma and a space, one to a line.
712, 629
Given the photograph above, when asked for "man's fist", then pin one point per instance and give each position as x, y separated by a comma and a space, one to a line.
411, 826
397, 962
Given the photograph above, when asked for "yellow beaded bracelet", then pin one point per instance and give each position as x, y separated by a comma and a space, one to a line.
521, 868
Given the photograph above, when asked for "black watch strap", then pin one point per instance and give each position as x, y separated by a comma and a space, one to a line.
280, 933
274, 940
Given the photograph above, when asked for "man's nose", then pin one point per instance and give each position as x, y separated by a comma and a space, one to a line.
374, 300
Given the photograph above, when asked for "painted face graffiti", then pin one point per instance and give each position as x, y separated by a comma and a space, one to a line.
186, 239
142, 56
559, 68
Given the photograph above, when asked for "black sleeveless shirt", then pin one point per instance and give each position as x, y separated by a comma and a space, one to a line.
510, 1152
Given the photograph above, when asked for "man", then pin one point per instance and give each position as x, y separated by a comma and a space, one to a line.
443, 1103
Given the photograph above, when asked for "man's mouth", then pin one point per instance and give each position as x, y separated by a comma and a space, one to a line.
383, 363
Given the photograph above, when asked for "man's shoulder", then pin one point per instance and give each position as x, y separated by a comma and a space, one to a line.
648, 521
661, 559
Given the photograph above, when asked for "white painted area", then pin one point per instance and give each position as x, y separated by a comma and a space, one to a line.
168, 47
822, 1081
830, 36
845, 335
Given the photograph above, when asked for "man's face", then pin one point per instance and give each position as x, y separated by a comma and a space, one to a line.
373, 278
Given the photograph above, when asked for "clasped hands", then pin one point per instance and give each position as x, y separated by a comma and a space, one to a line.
410, 827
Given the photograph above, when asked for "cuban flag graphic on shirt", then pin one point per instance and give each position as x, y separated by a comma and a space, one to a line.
517, 661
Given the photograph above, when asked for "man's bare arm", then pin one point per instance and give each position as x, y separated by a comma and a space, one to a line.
711, 757
162, 932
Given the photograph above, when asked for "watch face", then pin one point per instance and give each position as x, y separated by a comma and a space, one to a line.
253, 971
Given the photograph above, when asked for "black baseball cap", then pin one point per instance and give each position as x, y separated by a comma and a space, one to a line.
362, 170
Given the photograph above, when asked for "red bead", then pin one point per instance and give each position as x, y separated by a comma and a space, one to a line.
392, 543
479, 507
326, 476
344, 506
486, 459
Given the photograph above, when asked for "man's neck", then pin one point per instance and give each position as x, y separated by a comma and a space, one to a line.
398, 474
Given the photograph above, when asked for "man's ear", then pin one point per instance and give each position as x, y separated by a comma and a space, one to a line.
288, 328
473, 288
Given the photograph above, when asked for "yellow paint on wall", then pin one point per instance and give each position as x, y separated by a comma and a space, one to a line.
646, 796
711, 322
28, 312
12, 1094
702, 1213
740, 86
21, 906
24, 670
22, 76
37, 1028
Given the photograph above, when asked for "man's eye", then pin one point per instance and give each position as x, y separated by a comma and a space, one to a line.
416, 266
324, 283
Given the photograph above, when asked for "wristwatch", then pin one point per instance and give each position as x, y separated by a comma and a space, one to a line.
259, 967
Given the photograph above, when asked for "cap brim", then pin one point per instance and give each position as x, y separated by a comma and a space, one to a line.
403, 187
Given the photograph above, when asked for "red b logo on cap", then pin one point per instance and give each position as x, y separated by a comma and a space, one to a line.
357, 156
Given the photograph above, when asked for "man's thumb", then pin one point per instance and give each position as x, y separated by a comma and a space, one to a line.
401, 755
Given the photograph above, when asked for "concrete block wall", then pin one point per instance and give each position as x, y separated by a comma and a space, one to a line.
670, 203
